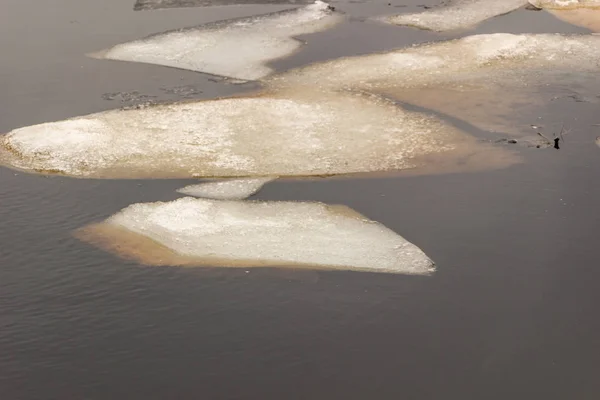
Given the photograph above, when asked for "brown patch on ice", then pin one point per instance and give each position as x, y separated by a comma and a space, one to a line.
585, 17
199, 232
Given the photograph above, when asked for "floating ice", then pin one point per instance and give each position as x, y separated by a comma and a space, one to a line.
303, 134
565, 4
239, 48
585, 13
598, 141
459, 14
158, 4
191, 231
230, 189
486, 80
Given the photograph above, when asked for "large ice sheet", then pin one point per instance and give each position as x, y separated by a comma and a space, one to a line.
237, 49
487, 80
459, 14
192, 231
305, 133
229, 189
159, 4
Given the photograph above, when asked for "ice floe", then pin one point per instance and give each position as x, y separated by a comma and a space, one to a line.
459, 14
565, 4
229, 189
486, 80
584, 13
192, 231
159, 4
305, 133
238, 49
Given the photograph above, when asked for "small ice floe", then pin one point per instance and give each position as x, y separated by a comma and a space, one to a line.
459, 14
584, 13
238, 49
160, 4
598, 141
192, 231
486, 80
300, 134
229, 189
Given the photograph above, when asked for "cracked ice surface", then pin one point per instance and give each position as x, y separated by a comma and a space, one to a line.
460, 14
238, 49
229, 189
486, 80
192, 231
304, 134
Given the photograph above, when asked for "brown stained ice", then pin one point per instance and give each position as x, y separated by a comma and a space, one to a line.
489, 81
228, 189
291, 133
584, 13
199, 232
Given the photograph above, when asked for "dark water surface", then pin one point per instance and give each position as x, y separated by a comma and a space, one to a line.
510, 314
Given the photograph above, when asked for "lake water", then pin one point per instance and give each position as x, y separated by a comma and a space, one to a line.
510, 314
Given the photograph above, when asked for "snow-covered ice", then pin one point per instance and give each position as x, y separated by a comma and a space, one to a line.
228, 189
239, 48
459, 14
486, 80
305, 133
191, 231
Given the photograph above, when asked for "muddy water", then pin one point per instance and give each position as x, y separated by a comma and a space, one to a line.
511, 312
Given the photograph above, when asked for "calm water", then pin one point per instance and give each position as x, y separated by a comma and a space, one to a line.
511, 313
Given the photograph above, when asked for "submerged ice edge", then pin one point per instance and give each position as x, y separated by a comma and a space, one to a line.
228, 189
201, 232
459, 14
239, 48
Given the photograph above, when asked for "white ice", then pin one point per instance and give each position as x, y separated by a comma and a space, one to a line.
483, 79
237, 49
304, 134
459, 14
229, 189
274, 233
565, 4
